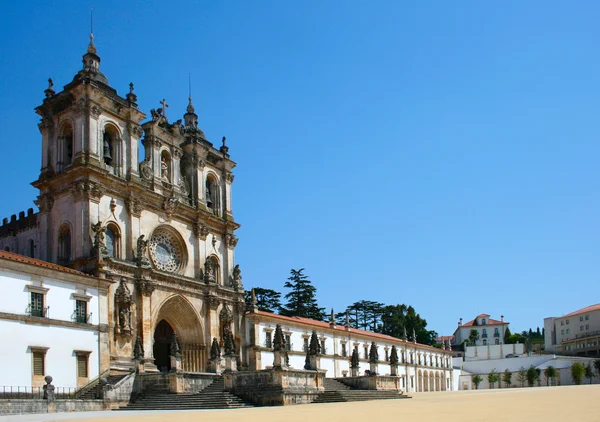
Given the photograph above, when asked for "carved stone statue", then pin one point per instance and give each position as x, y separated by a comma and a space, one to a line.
142, 246
123, 302
228, 343
209, 271
237, 278
138, 349
175, 348
99, 250
164, 169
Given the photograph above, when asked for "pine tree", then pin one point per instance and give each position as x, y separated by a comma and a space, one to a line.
267, 300
301, 300
507, 335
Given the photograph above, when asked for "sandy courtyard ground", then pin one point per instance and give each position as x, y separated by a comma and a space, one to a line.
581, 404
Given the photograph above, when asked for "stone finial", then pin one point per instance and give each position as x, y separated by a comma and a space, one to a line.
131, 97
228, 343
332, 318
254, 303
449, 345
354, 359
347, 319
373, 353
48, 389
414, 336
138, 349
279, 339
215, 350
175, 347
405, 337
394, 356
50, 90
314, 348
224, 148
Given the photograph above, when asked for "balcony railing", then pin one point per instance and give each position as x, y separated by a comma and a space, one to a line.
81, 318
496, 334
588, 334
484, 335
37, 311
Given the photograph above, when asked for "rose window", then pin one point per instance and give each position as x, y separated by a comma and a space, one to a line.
166, 251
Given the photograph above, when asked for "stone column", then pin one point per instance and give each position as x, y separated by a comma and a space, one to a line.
146, 288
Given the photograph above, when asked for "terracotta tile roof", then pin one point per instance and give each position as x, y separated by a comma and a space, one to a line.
587, 309
445, 338
490, 321
38, 263
341, 328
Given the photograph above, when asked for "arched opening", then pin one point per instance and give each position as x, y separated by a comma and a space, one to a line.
182, 319
212, 270
431, 382
64, 245
212, 193
113, 241
111, 152
163, 334
165, 166
425, 382
64, 147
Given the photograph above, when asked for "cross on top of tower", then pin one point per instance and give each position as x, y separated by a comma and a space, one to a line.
164, 107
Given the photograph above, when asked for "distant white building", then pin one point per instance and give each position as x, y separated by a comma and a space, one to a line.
53, 321
491, 331
577, 333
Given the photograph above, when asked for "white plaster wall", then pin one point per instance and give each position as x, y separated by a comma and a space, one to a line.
60, 359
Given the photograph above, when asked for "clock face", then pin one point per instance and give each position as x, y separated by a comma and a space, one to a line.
165, 251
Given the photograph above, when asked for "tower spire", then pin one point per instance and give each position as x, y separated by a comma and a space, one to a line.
91, 47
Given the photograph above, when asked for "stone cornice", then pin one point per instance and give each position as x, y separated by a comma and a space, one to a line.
6, 316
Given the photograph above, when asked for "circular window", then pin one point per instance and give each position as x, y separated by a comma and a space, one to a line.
166, 251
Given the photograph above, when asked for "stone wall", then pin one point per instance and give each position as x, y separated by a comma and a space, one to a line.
276, 387
378, 382
18, 407
170, 383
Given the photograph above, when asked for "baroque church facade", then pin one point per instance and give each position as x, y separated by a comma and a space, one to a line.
160, 227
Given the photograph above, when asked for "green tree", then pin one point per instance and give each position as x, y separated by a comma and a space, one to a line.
507, 378
550, 372
522, 376
473, 337
589, 372
493, 378
507, 335
301, 300
577, 372
476, 380
532, 376
267, 300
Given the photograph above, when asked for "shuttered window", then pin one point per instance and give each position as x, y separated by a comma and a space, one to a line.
38, 363
82, 366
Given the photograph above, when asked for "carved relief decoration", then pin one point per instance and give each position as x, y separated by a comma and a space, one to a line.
231, 240
170, 205
145, 286
45, 202
146, 170
134, 207
200, 230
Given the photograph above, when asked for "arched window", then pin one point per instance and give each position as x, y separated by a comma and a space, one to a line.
31, 248
212, 193
64, 245
216, 268
113, 241
165, 166
108, 147
65, 147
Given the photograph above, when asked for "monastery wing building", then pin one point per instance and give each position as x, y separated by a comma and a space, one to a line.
157, 232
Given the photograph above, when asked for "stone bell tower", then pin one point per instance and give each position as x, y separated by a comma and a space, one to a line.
90, 138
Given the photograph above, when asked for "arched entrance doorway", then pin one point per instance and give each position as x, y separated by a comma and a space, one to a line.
180, 317
163, 335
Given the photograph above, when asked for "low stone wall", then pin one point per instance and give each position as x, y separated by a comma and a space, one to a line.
173, 382
19, 407
276, 387
120, 394
377, 382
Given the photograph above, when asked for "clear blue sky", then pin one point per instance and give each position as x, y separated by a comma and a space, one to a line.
439, 154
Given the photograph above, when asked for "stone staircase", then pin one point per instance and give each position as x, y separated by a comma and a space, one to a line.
93, 391
213, 396
336, 392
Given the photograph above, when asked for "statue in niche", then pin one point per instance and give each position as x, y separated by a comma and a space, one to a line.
99, 250
164, 169
237, 278
123, 302
228, 343
209, 271
142, 246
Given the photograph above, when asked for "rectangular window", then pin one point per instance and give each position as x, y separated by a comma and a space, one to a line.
288, 342
81, 311
567, 322
39, 364
568, 330
562, 323
344, 352
323, 349
37, 304
581, 328
587, 317
268, 340
305, 345
82, 366
366, 352
387, 355
562, 332
587, 326
581, 318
